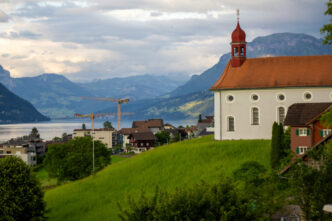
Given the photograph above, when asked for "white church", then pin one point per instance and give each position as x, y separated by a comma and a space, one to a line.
252, 93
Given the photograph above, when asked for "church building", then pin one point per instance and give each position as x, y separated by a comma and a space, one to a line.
252, 93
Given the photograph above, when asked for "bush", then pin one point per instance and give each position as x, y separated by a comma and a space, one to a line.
21, 196
73, 160
202, 202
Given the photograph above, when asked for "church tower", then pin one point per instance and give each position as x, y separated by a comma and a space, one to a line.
238, 45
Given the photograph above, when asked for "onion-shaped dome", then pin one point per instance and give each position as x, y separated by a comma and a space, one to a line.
238, 34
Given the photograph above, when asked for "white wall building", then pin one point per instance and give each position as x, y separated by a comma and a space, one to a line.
105, 135
252, 94
28, 155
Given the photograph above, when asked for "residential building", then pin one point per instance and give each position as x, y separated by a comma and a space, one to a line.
107, 136
153, 125
125, 132
28, 142
205, 126
141, 142
27, 154
252, 93
305, 125
168, 126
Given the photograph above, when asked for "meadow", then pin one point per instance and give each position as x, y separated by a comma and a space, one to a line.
181, 164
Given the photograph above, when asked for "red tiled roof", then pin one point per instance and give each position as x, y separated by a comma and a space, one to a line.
143, 136
270, 72
149, 123
127, 131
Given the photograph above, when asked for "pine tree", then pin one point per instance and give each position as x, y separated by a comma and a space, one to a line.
275, 146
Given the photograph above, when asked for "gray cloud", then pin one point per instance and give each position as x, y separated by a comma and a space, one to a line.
3, 16
148, 36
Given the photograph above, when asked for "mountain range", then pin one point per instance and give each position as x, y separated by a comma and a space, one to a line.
17, 110
151, 96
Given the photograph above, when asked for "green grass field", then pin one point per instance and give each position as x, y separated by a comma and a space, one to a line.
177, 165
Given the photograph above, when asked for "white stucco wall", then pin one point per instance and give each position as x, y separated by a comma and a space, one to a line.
103, 136
240, 109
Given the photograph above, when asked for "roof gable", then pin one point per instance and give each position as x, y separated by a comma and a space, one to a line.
287, 71
301, 114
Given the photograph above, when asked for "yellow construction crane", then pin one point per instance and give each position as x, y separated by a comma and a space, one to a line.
118, 101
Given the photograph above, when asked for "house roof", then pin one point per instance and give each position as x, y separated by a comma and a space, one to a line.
143, 136
272, 72
127, 131
301, 114
97, 129
149, 123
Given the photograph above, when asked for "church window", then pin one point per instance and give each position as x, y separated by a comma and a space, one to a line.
230, 123
281, 97
255, 116
236, 51
307, 96
281, 114
254, 97
242, 51
230, 98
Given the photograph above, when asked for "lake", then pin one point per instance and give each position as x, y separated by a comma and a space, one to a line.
55, 128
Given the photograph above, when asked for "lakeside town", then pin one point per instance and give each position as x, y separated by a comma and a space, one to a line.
260, 147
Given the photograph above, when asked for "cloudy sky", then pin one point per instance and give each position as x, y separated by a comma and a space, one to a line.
95, 39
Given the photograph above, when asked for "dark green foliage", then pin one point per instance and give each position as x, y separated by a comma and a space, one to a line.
21, 196
17, 110
327, 29
250, 172
261, 188
162, 137
312, 187
280, 145
200, 118
108, 124
83, 127
202, 202
73, 160
34, 133
326, 118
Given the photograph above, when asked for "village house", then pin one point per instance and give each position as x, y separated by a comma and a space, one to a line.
305, 125
252, 93
153, 125
107, 136
205, 126
31, 142
26, 153
125, 132
141, 142
168, 126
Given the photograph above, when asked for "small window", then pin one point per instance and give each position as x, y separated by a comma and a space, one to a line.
254, 97
281, 114
281, 97
325, 132
230, 125
242, 51
302, 132
236, 51
8, 152
255, 116
229, 98
301, 150
307, 96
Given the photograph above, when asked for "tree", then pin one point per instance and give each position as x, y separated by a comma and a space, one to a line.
326, 118
83, 127
34, 133
73, 160
162, 137
200, 118
328, 27
278, 145
108, 124
21, 196
202, 202
312, 186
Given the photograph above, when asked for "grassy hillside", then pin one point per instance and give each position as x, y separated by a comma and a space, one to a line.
178, 165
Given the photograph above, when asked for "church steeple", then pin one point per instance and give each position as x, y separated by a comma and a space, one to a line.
238, 44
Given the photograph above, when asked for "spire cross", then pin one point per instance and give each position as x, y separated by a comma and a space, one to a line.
238, 14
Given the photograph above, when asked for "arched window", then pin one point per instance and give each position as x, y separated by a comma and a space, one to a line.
230, 123
281, 114
236, 51
242, 51
255, 116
